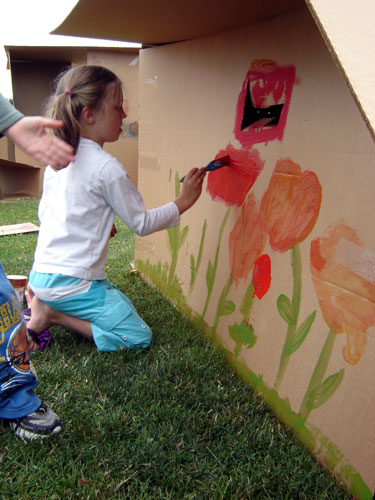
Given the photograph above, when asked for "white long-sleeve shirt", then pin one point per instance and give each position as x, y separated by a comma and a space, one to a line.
77, 210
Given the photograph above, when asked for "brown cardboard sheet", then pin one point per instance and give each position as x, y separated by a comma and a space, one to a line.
25, 227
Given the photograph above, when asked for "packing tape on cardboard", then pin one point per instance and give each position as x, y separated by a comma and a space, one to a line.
356, 258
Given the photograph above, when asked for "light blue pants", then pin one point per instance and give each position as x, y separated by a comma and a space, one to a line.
114, 320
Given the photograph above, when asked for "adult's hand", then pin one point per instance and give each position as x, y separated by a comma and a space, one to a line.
30, 134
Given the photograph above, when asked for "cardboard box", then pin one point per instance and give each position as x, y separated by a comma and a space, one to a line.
276, 261
34, 70
18, 180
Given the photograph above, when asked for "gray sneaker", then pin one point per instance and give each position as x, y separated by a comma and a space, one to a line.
37, 425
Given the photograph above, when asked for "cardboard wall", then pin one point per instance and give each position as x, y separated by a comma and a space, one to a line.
125, 66
288, 220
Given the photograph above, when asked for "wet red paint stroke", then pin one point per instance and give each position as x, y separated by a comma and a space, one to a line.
262, 275
265, 85
231, 184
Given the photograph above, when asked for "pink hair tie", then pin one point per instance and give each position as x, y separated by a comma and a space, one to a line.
68, 92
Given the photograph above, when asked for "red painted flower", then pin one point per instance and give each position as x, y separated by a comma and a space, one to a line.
262, 275
246, 240
232, 183
291, 205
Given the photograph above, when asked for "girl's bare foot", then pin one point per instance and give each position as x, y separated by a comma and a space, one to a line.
43, 317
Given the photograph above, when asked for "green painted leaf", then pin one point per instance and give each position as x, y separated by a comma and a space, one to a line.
182, 236
192, 265
300, 334
177, 184
210, 275
285, 309
173, 237
228, 307
242, 334
318, 396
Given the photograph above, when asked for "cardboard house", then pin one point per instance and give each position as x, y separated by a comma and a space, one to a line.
276, 260
33, 71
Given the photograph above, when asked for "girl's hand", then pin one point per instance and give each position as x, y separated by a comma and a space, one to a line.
191, 189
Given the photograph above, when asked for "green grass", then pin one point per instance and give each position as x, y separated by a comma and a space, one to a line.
170, 422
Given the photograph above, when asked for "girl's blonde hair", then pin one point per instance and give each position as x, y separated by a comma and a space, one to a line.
76, 88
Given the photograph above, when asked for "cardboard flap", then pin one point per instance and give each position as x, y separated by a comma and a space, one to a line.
348, 30
154, 23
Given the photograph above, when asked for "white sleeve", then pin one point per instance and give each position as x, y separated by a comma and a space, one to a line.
125, 199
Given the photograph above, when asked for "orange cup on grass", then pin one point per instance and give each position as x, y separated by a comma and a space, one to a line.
19, 285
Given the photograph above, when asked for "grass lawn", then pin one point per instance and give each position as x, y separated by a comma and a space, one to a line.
170, 422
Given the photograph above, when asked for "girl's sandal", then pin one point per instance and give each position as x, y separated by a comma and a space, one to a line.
43, 339
27, 314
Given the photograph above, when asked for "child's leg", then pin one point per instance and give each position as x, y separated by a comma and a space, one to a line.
96, 309
118, 326
43, 317
19, 405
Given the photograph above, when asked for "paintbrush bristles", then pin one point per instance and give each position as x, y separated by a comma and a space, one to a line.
214, 165
220, 162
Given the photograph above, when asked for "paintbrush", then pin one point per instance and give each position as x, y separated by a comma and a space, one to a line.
214, 165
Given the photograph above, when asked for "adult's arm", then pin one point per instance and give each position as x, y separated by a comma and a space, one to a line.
30, 134
8, 115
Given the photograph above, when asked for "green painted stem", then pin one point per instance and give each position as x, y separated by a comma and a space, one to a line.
318, 374
222, 300
296, 303
247, 303
210, 286
194, 271
172, 269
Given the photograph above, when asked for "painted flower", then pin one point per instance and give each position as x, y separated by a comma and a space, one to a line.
231, 183
291, 204
342, 273
261, 275
246, 240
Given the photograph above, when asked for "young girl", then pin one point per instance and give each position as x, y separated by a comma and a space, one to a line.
76, 212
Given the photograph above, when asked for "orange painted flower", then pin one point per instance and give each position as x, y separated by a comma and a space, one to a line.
231, 183
291, 205
341, 270
246, 240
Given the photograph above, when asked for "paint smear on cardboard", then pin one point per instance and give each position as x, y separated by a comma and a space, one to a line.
232, 183
263, 103
356, 258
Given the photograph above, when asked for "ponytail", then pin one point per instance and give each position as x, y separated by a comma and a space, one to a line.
76, 88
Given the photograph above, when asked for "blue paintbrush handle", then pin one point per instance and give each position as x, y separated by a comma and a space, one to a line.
213, 165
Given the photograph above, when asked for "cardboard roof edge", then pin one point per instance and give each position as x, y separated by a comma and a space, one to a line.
61, 53
156, 23
346, 27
